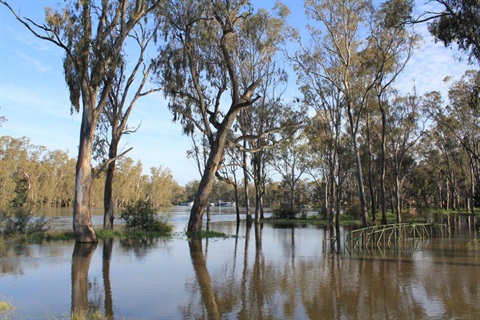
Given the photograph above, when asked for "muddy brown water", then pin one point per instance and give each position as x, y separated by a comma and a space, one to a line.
263, 273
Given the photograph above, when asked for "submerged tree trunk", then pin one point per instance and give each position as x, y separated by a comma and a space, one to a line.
107, 193
203, 194
82, 219
361, 190
208, 178
248, 213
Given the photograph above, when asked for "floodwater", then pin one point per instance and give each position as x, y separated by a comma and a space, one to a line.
265, 273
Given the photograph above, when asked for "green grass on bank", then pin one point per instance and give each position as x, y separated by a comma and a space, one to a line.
112, 234
203, 234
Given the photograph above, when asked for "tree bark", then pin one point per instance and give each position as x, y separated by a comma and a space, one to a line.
208, 178
108, 194
82, 219
383, 200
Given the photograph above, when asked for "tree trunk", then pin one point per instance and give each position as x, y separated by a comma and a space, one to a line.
107, 198
108, 193
82, 220
204, 190
237, 208
398, 199
370, 175
361, 191
247, 197
208, 178
383, 170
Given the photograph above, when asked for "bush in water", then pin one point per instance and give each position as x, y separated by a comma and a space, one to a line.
142, 216
20, 221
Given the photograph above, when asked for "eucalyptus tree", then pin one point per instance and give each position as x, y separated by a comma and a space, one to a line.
161, 187
59, 173
228, 173
92, 36
119, 106
455, 21
129, 182
325, 131
208, 43
446, 156
390, 46
338, 54
406, 128
261, 127
461, 119
289, 160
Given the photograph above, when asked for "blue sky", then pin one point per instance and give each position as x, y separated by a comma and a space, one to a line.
34, 97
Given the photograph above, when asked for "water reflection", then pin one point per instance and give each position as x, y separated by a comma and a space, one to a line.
82, 254
204, 281
416, 282
106, 257
263, 273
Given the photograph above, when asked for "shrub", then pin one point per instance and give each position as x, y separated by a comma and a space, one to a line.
142, 216
285, 213
22, 222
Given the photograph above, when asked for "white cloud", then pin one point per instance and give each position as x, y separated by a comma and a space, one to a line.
37, 64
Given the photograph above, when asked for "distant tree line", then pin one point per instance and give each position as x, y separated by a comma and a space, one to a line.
31, 175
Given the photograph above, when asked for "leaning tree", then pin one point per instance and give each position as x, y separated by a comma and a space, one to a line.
92, 36
203, 73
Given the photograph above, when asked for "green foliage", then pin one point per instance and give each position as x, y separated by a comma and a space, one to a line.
92, 314
459, 23
22, 222
7, 310
143, 216
285, 213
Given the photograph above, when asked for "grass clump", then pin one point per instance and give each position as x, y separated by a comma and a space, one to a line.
142, 216
90, 315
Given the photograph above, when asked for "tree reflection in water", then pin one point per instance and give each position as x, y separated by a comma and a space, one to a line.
107, 254
203, 277
81, 257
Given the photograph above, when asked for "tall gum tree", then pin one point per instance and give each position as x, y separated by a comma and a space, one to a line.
92, 35
119, 106
390, 45
336, 48
208, 44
